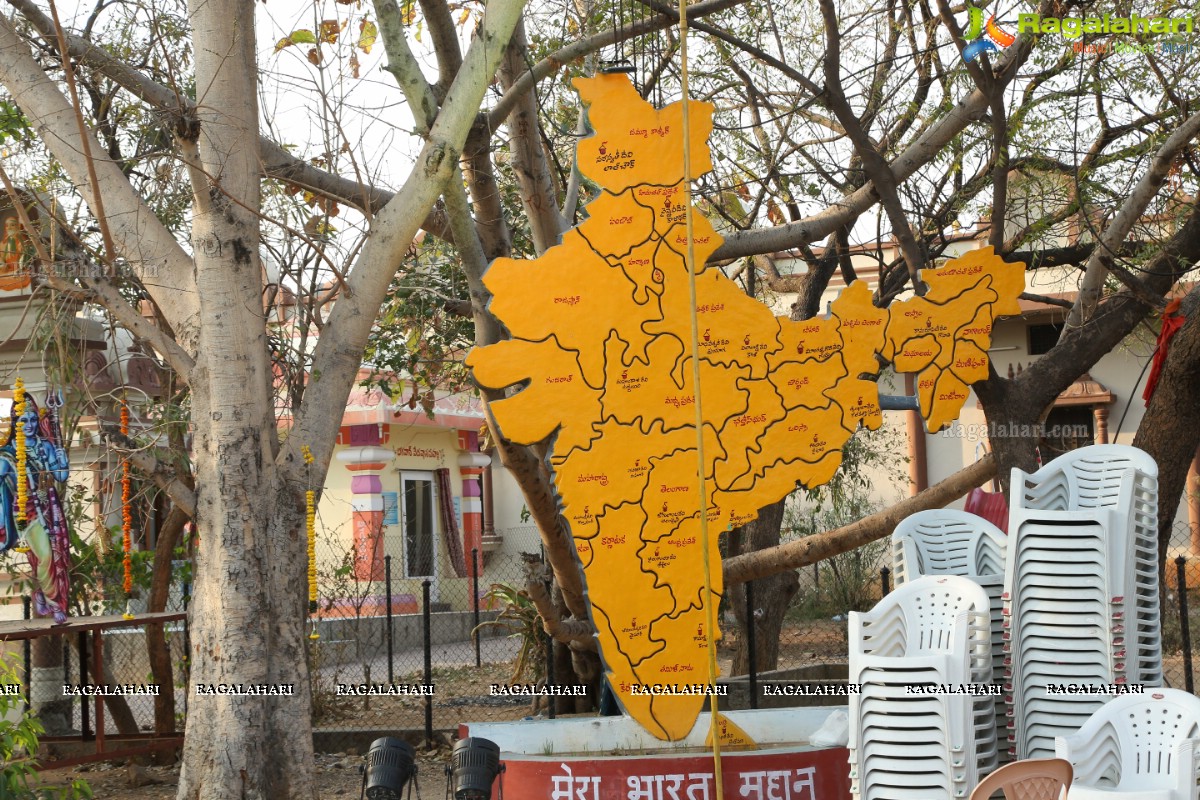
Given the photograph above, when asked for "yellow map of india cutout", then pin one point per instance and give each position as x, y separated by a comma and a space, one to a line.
601, 334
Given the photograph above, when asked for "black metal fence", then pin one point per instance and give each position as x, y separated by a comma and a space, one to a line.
419, 657
1181, 606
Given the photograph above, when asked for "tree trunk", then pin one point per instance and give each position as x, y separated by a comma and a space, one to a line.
247, 627
1009, 413
248, 612
45, 689
1168, 431
590, 673
772, 596
158, 650
564, 675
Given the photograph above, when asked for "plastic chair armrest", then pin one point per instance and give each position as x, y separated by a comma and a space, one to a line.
1187, 766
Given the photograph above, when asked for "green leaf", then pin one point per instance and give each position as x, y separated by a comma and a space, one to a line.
301, 36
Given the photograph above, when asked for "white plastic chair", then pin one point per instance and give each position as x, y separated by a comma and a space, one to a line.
1092, 477
1081, 586
1124, 481
1136, 747
929, 630
947, 541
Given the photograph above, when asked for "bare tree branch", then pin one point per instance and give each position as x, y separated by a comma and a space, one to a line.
811, 549
529, 163
927, 145
1041, 298
444, 37
105, 294
590, 44
139, 237
141, 457
876, 168
277, 162
1102, 262
338, 353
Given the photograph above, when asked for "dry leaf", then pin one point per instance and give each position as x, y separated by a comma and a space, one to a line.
330, 28
367, 34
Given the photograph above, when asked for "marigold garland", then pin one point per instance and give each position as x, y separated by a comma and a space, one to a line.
22, 476
310, 527
126, 513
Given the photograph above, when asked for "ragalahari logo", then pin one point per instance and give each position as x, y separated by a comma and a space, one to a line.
982, 37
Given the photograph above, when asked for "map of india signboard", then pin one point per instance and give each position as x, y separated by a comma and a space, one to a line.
602, 345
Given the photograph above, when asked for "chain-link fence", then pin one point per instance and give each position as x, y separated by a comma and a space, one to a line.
416, 656
411, 635
142, 670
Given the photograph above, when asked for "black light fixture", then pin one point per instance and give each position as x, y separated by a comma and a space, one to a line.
616, 67
391, 764
474, 765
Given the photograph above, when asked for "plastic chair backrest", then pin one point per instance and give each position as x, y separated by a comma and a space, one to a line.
1149, 728
922, 616
946, 541
1033, 779
1089, 477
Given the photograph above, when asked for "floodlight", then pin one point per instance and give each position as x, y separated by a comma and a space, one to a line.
390, 766
474, 765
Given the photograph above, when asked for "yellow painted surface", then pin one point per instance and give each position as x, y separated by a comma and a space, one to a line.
944, 336
732, 735
601, 329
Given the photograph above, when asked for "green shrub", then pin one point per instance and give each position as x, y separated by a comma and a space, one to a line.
18, 750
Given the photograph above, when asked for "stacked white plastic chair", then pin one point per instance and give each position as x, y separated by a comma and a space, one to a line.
1081, 589
947, 541
905, 744
1137, 747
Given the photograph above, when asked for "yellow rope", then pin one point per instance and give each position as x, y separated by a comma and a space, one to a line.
710, 604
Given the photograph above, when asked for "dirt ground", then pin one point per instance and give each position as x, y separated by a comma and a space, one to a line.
339, 775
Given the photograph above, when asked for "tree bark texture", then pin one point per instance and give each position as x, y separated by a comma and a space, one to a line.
772, 595
1168, 431
247, 614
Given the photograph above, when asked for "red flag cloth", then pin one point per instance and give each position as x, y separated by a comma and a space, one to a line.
1172, 321
990, 505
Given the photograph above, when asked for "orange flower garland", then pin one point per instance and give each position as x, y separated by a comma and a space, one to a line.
22, 477
126, 513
